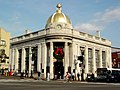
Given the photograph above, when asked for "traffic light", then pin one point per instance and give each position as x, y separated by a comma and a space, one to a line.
81, 58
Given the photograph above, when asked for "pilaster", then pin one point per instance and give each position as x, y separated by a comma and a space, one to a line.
51, 60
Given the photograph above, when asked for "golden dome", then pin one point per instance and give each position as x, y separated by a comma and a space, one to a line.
58, 17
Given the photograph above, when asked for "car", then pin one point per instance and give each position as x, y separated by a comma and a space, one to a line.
114, 76
90, 78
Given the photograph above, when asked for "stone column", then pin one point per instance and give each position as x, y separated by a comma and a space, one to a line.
86, 60
110, 58
39, 58
16, 59
30, 61
94, 60
65, 58
72, 64
44, 58
78, 54
12, 59
100, 55
51, 60
23, 60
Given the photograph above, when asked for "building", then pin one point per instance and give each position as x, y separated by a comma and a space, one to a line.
115, 49
4, 49
56, 49
115, 57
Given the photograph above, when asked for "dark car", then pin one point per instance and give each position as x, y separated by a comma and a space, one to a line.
114, 76
90, 78
102, 74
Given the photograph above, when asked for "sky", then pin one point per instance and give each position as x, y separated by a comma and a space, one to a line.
88, 16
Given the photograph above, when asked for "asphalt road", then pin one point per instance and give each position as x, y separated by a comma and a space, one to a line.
55, 85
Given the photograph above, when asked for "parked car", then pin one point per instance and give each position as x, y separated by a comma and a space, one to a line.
102, 74
114, 76
90, 78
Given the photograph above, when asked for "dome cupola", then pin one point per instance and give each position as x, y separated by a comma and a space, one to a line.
58, 18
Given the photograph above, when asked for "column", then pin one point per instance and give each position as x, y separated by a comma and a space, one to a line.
44, 58
30, 61
39, 58
110, 58
78, 54
51, 60
12, 59
86, 60
100, 55
23, 60
16, 59
65, 59
94, 60
72, 64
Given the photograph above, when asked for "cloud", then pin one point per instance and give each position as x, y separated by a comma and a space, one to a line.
101, 20
87, 27
108, 16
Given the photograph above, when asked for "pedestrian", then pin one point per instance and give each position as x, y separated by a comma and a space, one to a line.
39, 75
78, 75
48, 76
67, 77
27, 73
73, 75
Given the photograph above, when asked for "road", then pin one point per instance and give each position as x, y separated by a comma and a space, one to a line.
55, 85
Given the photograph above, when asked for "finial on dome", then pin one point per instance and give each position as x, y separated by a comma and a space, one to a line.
59, 6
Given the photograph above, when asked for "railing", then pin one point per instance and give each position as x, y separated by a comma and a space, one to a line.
68, 32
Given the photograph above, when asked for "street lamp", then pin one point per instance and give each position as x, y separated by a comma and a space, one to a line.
31, 63
32, 55
75, 63
82, 66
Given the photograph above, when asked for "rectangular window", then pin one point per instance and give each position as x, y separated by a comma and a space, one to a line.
103, 59
90, 53
118, 55
119, 65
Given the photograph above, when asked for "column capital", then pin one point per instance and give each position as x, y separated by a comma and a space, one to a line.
51, 42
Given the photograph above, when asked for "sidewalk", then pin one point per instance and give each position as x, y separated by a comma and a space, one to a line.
12, 77
17, 78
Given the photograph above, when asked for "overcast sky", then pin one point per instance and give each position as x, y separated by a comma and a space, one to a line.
16, 16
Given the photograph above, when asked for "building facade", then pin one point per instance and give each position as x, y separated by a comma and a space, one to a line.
116, 59
4, 49
56, 49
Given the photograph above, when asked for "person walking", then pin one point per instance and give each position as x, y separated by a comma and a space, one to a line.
67, 77
48, 76
39, 75
73, 76
78, 76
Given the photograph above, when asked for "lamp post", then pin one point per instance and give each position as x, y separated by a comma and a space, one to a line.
31, 63
82, 66
75, 63
32, 60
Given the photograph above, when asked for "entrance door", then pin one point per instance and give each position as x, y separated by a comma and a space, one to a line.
58, 70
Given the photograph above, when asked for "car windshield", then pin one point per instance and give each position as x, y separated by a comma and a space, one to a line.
102, 71
115, 72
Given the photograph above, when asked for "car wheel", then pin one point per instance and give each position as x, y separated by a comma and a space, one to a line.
108, 80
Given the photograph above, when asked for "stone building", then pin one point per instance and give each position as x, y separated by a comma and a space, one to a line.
4, 49
56, 49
